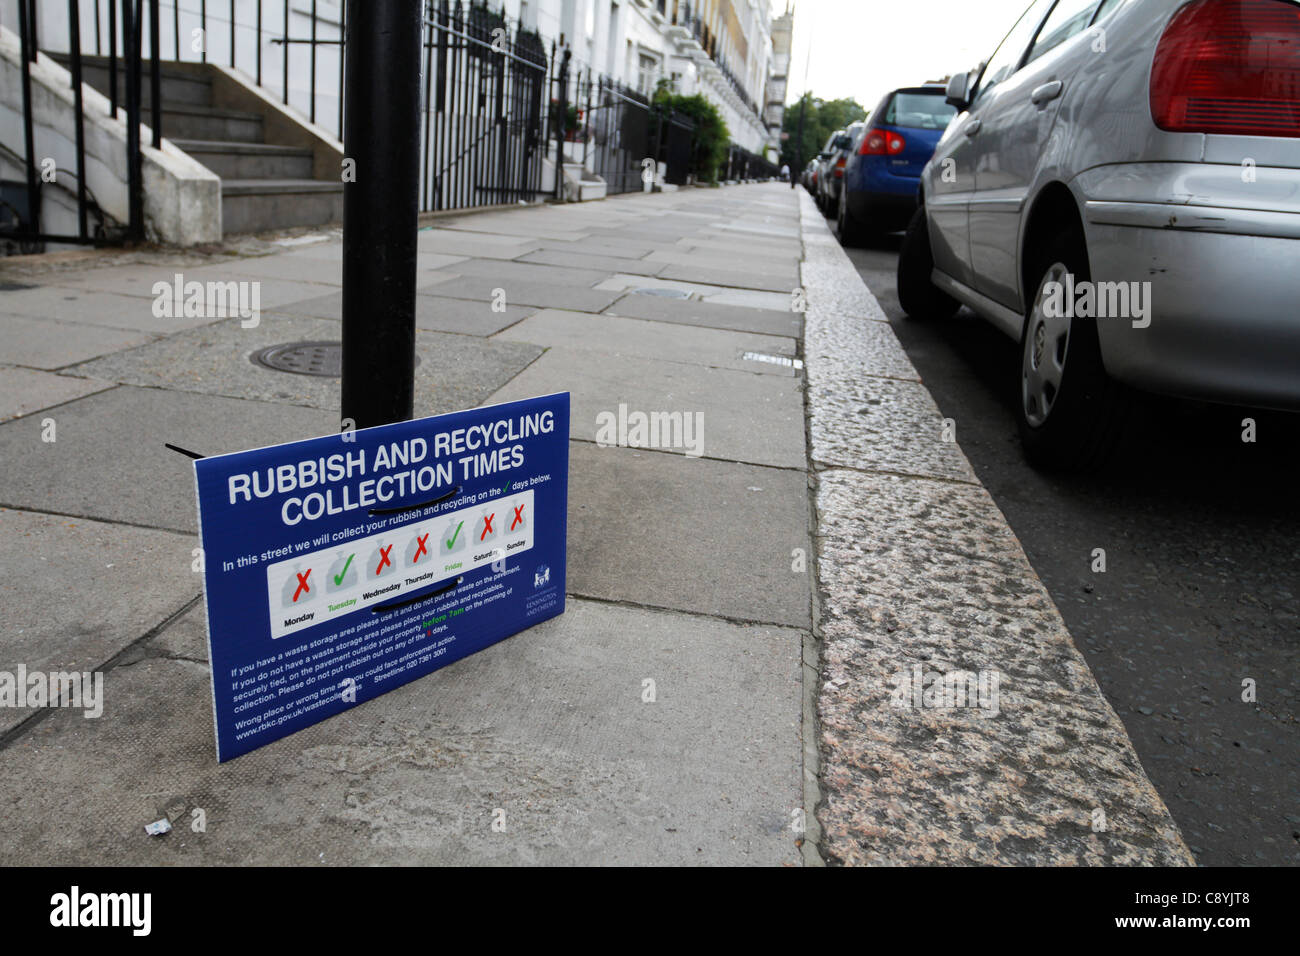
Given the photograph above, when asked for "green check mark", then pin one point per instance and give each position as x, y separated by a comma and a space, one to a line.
338, 578
455, 535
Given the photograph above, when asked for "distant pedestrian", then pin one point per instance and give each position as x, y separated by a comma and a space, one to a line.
785, 173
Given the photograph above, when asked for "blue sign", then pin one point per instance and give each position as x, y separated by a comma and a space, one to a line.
339, 568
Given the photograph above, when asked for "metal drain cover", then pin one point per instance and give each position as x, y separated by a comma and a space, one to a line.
305, 358
665, 293
783, 360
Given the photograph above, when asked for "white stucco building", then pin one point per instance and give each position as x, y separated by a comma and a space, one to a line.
720, 48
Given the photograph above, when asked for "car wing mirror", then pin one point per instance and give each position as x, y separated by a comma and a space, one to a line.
958, 92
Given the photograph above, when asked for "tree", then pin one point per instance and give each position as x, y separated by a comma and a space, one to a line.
823, 118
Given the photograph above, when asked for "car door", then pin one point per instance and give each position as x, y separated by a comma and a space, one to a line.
950, 180
1016, 120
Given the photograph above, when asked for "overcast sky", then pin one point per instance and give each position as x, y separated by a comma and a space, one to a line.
865, 48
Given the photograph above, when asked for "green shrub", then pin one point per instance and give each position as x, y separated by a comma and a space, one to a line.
712, 138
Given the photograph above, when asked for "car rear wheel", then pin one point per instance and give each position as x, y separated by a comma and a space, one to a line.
916, 293
1070, 411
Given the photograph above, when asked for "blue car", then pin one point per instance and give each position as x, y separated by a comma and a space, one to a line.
883, 174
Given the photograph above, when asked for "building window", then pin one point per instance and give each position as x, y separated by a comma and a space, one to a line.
647, 74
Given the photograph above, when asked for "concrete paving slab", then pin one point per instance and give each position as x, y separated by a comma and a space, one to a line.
24, 390
511, 274
652, 340
106, 310
716, 294
319, 271
109, 461
139, 281
333, 252
882, 424
740, 256
543, 295
325, 267
924, 577
76, 592
454, 371
766, 279
708, 315
758, 229
49, 343
433, 313
579, 260
714, 244
664, 530
480, 245
724, 404
549, 726
604, 246
535, 226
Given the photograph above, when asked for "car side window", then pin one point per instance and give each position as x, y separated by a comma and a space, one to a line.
1106, 7
1069, 19
1011, 53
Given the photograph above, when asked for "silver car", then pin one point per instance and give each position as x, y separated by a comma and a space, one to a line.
1120, 193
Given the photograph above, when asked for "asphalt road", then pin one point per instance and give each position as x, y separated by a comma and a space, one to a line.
1201, 591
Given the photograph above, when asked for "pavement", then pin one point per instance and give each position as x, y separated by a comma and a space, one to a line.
829, 539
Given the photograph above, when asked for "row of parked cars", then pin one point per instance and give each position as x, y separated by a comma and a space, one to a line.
1117, 189
867, 176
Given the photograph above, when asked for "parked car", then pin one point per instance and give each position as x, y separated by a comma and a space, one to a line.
833, 167
823, 157
882, 171
1121, 194
809, 176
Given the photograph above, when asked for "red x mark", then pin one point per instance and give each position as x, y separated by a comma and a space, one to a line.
302, 584
383, 558
487, 526
519, 518
421, 549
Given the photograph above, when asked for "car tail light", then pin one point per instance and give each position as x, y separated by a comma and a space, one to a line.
1229, 66
839, 167
882, 142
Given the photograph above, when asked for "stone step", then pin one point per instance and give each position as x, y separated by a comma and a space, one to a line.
178, 86
257, 205
250, 161
207, 123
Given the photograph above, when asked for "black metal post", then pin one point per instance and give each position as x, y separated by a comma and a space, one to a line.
74, 48
380, 210
562, 121
112, 57
27, 33
155, 76
132, 35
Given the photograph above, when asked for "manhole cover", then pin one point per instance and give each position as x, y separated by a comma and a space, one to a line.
305, 358
665, 293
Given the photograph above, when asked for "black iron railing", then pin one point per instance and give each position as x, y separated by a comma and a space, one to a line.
498, 100
22, 223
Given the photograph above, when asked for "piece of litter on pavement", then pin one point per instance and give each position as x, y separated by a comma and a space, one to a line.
158, 827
